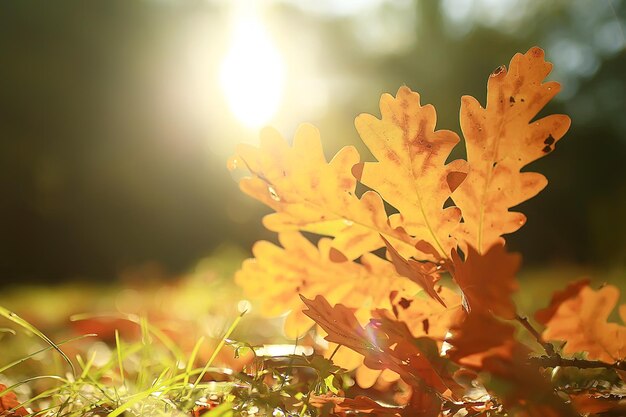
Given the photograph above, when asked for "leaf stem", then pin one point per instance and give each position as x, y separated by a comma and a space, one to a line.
219, 347
332, 355
529, 327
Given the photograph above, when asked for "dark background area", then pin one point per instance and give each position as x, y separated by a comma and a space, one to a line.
114, 132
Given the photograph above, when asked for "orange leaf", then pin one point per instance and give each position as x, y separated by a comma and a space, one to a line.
488, 280
424, 404
348, 406
405, 143
501, 139
581, 321
423, 274
309, 194
277, 276
424, 316
544, 315
592, 404
341, 325
484, 343
417, 363
478, 336
10, 402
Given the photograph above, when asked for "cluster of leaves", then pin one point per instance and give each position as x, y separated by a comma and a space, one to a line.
410, 283
455, 348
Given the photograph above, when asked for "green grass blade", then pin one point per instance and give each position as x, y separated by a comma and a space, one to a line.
218, 348
120, 363
140, 396
155, 331
9, 315
25, 358
191, 360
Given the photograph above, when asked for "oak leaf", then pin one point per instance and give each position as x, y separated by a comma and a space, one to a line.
501, 139
581, 321
404, 142
416, 361
10, 405
482, 342
479, 336
424, 274
588, 403
544, 315
488, 280
341, 326
414, 316
347, 406
425, 316
424, 404
309, 194
278, 275
423, 351
367, 378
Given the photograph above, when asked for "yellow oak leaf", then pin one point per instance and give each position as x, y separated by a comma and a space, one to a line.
367, 378
501, 139
348, 359
423, 315
309, 194
278, 275
581, 321
405, 143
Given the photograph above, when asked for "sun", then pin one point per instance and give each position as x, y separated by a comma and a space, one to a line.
252, 73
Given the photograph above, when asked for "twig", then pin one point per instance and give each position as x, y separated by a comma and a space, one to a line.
546, 346
553, 361
333, 354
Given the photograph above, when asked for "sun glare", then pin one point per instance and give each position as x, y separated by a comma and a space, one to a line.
252, 73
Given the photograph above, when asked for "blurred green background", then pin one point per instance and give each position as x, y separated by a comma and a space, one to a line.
117, 116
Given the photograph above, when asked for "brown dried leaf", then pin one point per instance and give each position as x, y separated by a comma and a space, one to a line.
488, 280
484, 343
341, 326
478, 336
418, 364
591, 404
10, 402
347, 406
423, 274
